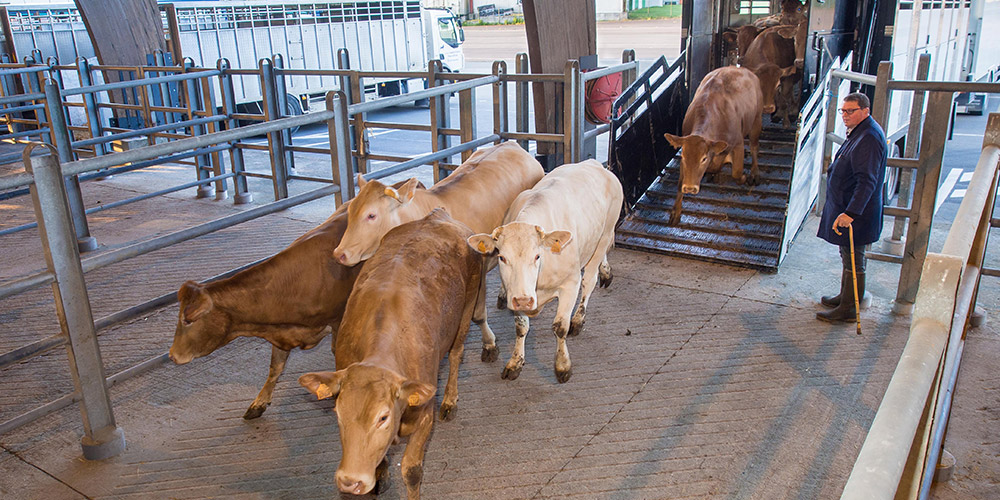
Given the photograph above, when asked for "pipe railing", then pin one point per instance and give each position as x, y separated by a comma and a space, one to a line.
902, 449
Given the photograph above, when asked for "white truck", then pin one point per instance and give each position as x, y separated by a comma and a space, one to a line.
381, 35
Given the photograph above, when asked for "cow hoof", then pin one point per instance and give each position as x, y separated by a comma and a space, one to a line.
254, 412
563, 376
575, 327
501, 301
510, 373
490, 354
605, 281
447, 411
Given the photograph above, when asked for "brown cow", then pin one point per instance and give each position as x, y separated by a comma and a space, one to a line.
771, 56
725, 109
289, 300
738, 40
476, 194
410, 307
792, 13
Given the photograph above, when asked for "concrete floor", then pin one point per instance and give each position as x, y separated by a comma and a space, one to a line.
691, 380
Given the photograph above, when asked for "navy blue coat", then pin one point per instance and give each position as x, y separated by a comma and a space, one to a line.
854, 186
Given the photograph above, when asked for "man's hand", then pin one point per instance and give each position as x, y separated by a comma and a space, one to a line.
842, 220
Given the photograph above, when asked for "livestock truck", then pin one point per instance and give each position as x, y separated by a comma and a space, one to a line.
382, 35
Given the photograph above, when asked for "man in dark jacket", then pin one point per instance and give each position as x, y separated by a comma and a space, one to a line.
853, 198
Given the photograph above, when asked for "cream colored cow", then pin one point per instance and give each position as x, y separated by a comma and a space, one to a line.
564, 224
476, 194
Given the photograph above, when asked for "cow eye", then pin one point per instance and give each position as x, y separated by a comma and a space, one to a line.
371, 216
502, 259
537, 257
383, 419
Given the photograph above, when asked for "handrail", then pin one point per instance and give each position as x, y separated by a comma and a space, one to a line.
901, 449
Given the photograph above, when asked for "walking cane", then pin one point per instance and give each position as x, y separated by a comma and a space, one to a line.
854, 274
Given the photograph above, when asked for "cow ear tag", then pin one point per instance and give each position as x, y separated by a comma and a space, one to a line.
482, 247
323, 391
556, 247
414, 399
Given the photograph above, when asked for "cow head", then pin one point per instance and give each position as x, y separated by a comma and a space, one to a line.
370, 404
698, 155
794, 12
770, 76
373, 212
521, 249
201, 327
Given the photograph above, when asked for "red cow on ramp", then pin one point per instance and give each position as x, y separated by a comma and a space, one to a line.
726, 108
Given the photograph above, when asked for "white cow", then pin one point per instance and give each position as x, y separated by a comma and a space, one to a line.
564, 224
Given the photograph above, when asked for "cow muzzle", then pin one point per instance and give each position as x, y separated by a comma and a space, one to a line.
342, 257
522, 303
769, 109
355, 485
177, 359
687, 189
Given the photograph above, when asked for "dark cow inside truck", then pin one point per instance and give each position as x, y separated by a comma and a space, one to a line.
411, 306
725, 109
289, 300
771, 56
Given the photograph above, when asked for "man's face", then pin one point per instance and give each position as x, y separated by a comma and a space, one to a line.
853, 114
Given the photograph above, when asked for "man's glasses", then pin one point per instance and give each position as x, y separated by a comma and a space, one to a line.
848, 111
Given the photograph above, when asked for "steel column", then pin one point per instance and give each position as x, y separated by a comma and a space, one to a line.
919, 226
274, 139
243, 194
282, 105
500, 110
62, 140
201, 162
521, 99
340, 146
346, 87
913, 134
102, 437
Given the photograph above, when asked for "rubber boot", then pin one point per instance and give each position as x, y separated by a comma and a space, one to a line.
834, 300
845, 312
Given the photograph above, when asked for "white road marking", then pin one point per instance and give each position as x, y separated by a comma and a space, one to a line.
969, 135
958, 193
945, 189
966, 177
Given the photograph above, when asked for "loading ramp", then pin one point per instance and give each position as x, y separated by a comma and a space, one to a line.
725, 222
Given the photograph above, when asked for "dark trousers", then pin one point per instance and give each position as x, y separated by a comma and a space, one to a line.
859, 257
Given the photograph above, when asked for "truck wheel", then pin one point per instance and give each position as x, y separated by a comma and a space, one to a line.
891, 186
294, 108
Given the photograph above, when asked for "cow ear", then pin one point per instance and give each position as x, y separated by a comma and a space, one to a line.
416, 393
729, 37
408, 189
789, 71
323, 384
483, 243
787, 31
676, 141
718, 147
360, 181
194, 300
557, 240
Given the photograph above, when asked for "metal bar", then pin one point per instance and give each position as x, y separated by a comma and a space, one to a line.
618, 68
61, 139
274, 139
150, 130
31, 350
27, 133
90, 101
884, 257
399, 126
909, 163
194, 75
936, 86
854, 77
102, 438
538, 137
340, 138
18, 109
21, 71
521, 108
39, 412
420, 94
431, 157
236, 162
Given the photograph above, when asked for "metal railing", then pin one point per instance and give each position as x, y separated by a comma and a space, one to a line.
44, 176
903, 446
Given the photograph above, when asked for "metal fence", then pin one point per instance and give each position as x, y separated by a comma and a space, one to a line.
190, 133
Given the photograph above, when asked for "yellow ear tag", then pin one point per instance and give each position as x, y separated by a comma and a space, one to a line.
482, 247
414, 400
323, 391
556, 247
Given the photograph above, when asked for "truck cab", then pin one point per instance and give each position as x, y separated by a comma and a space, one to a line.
444, 36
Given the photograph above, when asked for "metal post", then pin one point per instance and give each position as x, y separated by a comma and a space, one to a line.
344, 63
102, 437
361, 144
521, 98
274, 142
883, 98
61, 138
340, 146
90, 102
467, 118
201, 161
922, 216
895, 244
243, 194
208, 103
282, 106
440, 118
831, 124
571, 94
500, 99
